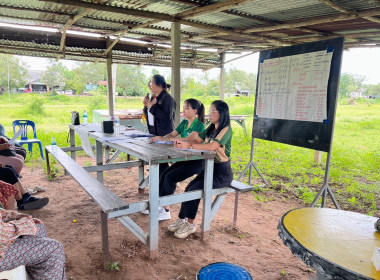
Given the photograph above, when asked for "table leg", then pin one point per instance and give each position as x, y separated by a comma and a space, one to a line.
141, 178
72, 144
153, 208
105, 244
207, 197
99, 160
47, 162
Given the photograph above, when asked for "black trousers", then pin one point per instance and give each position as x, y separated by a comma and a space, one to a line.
222, 177
8, 175
178, 172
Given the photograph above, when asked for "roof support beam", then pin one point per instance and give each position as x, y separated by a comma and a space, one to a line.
320, 20
212, 54
166, 17
217, 7
347, 11
64, 29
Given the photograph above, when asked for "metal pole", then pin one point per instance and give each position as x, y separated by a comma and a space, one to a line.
176, 67
110, 85
222, 77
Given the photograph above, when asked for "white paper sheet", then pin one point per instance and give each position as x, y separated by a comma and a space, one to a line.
294, 87
17, 135
83, 135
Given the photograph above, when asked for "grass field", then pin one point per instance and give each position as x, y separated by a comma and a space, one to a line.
354, 171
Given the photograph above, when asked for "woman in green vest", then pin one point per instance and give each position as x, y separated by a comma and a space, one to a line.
194, 114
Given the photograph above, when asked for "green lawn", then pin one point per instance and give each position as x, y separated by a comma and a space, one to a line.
354, 171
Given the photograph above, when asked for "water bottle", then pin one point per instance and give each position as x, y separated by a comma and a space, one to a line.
116, 124
84, 117
53, 145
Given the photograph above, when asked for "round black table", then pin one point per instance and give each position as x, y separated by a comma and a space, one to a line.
338, 244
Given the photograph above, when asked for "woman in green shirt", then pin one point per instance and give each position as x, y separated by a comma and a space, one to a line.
194, 118
194, 114
217, 137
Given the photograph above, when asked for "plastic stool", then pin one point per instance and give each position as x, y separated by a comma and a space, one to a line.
223, 271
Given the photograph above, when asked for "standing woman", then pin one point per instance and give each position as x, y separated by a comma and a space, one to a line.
217, 137
148, 116
162, 107
194, 114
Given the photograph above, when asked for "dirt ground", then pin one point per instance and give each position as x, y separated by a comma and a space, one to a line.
254, 244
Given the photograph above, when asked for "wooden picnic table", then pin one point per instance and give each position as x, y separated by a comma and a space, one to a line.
152, 155
337, 244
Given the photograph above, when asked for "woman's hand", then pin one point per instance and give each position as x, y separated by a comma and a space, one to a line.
3, 140
5, 146
145, 101
2, 165
182, 144
151, 103
156, 138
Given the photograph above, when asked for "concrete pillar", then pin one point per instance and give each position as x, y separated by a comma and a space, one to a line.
222, 78
111, 79
176, 67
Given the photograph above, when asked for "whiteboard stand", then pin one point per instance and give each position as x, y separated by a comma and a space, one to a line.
326, 188
250, 165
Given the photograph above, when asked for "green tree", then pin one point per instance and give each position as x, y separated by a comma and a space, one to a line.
131, 80
350, 83
85, 73
54, 75
17, 72
239, 78
372, 90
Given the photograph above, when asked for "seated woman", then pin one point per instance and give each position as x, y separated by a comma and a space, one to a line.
194, 114
25, 201
20, 150
9, 156
24, 242
217, 137
8, 195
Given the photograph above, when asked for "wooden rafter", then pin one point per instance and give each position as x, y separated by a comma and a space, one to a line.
213, 54
320, 20
217, 7
167, 17
162, 53
347, 11
64, 29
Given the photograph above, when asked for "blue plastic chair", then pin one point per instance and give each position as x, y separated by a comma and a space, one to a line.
23, 124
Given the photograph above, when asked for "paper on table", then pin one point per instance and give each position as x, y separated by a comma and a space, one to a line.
124, 140
83, 135
163, 142
193, 150
141, 135
18, 133
112, 138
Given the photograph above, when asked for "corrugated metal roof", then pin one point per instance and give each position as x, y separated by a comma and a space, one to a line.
232, 26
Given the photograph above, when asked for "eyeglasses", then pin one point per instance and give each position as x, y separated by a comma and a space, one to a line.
212, 111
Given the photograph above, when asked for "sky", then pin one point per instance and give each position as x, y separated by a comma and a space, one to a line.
358, 61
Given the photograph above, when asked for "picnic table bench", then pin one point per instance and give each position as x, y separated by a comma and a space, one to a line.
114, 207
107, 200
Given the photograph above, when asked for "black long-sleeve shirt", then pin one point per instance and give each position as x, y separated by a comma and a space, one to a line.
163, 112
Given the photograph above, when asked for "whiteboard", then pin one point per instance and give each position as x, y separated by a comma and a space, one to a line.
294, 87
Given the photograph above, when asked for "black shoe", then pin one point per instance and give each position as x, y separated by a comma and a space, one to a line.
29, 202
